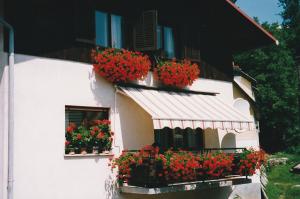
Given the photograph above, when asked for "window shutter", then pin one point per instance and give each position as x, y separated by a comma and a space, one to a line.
145, 36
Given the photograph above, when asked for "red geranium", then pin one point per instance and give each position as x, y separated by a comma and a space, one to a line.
67, 143
184, 166
120, 65
100, 135
179, 74
79, 136
250, 160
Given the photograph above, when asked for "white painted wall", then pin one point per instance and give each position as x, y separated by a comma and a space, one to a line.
245, 85
223, 88
42, 89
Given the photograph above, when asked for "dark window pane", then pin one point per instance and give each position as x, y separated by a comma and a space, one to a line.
199, 138
169, 46
85, 117
159, 39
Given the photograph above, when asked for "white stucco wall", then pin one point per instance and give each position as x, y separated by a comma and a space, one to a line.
42, 89
245, 85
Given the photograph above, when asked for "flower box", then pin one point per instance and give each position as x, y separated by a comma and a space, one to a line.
120, 65
176, 74
149, 168
92, 138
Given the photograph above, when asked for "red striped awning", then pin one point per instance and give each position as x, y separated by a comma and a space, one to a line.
188, 110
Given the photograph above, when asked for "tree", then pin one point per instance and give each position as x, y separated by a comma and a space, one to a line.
291, 20
274, 69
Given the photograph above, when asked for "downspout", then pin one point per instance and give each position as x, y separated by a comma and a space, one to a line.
11, 60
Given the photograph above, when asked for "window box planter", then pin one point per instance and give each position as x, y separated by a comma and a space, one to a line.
120, 65
149, 168
174, 74
89, 139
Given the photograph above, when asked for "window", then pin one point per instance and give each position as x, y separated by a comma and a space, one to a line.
165, 40
87, 130
85, 115
177, 138
108, 30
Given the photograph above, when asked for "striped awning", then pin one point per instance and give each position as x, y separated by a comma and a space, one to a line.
188, 110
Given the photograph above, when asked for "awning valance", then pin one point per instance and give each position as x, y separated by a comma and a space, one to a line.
188, 110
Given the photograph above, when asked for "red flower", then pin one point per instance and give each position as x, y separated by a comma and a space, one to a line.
120, 65
70, 129
67, 143
179, 74
92, 132
100, 135
79, 136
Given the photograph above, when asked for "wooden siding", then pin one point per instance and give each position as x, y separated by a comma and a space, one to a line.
66, 30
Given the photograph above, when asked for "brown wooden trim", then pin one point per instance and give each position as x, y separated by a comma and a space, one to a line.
86, 108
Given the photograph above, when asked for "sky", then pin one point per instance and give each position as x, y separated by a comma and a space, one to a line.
265, 10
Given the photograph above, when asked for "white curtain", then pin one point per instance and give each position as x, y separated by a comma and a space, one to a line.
116, 31
169, 42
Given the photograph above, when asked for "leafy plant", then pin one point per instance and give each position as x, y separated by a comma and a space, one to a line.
98, 135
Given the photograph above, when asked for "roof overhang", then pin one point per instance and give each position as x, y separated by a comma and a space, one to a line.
225, 23
255, 30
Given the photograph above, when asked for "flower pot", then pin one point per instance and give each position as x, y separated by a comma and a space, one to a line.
71, 151
106, 152
77, 150
95, 150
83, 151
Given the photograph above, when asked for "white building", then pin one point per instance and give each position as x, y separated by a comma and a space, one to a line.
47, 84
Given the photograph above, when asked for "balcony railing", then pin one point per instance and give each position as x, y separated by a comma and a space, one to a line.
152, 168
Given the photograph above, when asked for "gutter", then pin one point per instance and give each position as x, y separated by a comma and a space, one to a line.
11, 60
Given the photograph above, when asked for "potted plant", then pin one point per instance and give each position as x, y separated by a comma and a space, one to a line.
69, 144
120, 65
176, 74
93, 142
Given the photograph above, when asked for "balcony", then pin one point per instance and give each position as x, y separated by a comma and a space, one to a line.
152, 171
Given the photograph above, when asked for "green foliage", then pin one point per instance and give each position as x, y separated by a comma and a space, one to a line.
291, 20
274, 69
281, 181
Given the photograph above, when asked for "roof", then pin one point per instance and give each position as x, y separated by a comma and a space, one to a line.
243, 14
239, 72
187, 110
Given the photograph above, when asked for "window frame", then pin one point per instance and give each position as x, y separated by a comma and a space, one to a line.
87, 109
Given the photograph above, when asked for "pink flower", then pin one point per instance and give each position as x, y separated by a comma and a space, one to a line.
67, 143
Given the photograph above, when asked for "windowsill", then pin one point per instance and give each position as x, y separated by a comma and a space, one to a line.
89, 155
